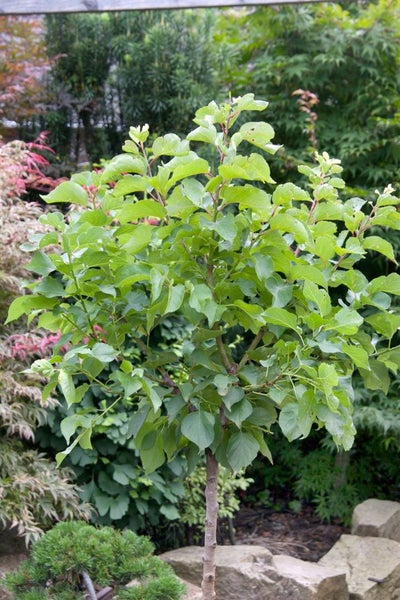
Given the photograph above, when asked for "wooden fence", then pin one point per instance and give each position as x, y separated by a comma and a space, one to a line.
25, 7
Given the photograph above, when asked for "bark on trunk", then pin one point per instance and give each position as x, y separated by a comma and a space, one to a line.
342, 462
210, 538
89, 585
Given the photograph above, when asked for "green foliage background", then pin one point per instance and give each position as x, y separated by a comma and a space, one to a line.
118, 69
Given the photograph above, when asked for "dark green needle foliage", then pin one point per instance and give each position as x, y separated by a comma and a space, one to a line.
111, 558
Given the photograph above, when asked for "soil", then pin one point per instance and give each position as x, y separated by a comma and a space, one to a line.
302, 535
12, 552
299, 534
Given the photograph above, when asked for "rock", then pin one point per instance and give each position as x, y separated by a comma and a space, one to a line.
377, 518
372, 566
241, 570
193, 592
298, 579
253, 573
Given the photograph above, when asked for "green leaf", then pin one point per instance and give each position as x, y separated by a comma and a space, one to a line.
118, 506
308, 273
357, 354
253, 315
281, 317
233, 395
385, 323
67, 191
158, 275
306, 412
378, 244
264, 266
139, 135
137, 420
179, 205
151, 393
289, 421
194, 190
264, 449
170, 145
247, 102
69, 425
92, 366
346, 321
130, 384
141, 210
282, 292
67, 386
187, 166
40, 263
176, 295
318, 296
327, 376
377, 377
123, 163
224, 383
248, 196
24, 305
135, 240
50, 287
385, 283
130, 184
152, 458
253, 167
85, 439
286, 193
257, 133
286, 223
353, 279
201, 299
239, 412
386, 199
241, 450
104, 352
226, 228
198, 427
207, 134
390, 358
339, 425
170, 512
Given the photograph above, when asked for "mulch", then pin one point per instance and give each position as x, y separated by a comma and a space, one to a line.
302, 535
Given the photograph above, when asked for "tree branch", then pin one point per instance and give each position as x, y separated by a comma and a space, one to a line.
253, 346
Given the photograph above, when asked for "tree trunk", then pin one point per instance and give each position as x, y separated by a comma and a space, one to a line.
342, 462
89, 585
210, 538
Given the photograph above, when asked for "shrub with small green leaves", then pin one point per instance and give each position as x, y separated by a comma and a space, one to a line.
59, 559
193, 510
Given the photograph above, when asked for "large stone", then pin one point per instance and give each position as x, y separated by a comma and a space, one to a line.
377, 518
298, 579
193, 592
253, 573
372, 566
241, 570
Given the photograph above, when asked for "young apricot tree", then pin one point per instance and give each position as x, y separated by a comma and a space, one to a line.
263, 276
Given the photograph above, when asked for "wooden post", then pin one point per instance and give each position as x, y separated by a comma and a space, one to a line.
26, 7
